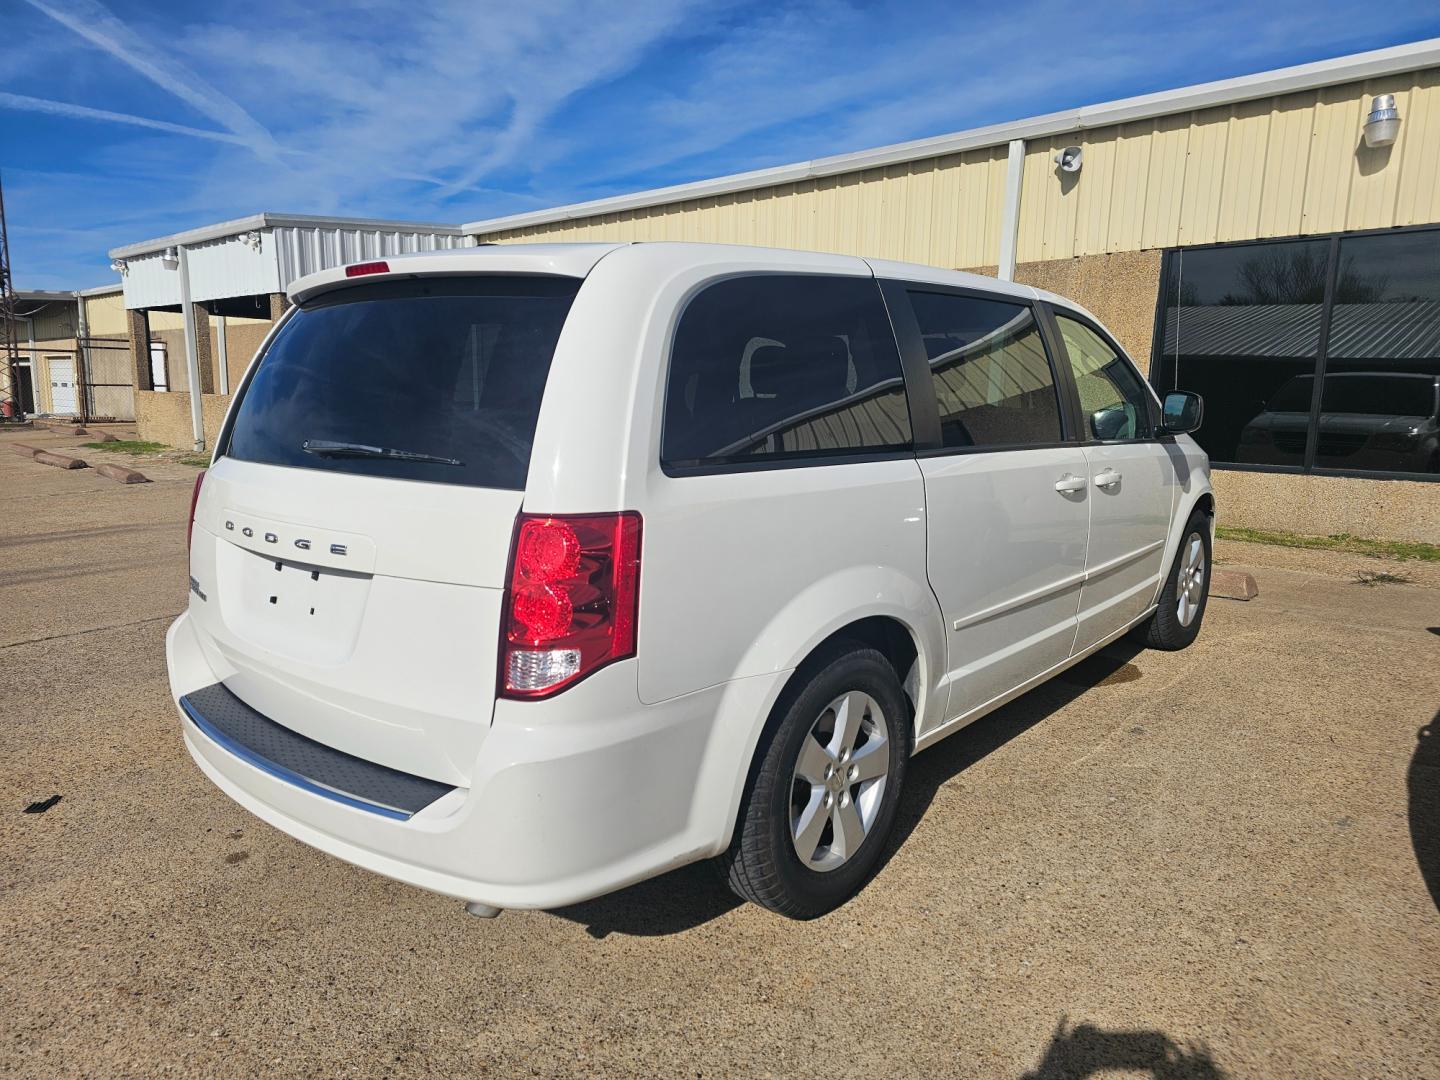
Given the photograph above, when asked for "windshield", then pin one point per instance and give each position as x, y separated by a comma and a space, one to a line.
437, 379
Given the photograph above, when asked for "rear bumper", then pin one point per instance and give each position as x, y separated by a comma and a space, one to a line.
570, 798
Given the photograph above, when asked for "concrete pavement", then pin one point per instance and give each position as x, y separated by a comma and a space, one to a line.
1194, 864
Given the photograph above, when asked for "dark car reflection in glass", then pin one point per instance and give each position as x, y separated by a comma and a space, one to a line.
1368, 420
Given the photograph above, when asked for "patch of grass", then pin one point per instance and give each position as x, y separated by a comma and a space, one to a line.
1371, 578
139, 447
129, 446
1355, 545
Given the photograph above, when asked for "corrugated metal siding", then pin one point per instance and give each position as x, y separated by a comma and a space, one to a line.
234, 267
301, 251
943, 210
105, 315
220, 268
1276, 167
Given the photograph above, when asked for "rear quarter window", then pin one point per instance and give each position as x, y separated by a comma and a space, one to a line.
777, 367
451, 369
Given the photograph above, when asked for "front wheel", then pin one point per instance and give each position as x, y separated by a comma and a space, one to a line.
825, 789
1176, 621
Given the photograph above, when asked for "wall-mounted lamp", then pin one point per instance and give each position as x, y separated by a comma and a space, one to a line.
1069, 159
1382, 126
171, 259
120, 266
251, 238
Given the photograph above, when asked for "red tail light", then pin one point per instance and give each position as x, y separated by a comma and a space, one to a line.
570, 608
194, 498
361, 269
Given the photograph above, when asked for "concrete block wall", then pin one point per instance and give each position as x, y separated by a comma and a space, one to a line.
165, 417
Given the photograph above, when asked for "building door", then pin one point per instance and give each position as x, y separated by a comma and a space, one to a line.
24, 388
159, 370
62, 385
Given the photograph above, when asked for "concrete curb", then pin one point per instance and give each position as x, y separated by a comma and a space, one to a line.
1233, 585
25, 451
121, 474
60, 461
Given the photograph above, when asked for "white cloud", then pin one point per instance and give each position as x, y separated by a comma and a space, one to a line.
94, 23
84, 112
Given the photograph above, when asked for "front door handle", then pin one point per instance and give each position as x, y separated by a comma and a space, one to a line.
1108, 478
1070, 483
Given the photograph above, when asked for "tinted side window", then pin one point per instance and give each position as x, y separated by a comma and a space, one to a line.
992, 379
783, 365
1113, 400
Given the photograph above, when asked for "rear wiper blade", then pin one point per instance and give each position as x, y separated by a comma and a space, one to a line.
326, 448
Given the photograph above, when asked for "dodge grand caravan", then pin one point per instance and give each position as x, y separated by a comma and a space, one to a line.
524, 573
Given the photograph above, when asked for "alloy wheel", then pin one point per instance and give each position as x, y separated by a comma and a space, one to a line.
839, 781
1190, 587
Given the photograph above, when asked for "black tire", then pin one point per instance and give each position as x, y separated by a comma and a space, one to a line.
762, 864
1165, 630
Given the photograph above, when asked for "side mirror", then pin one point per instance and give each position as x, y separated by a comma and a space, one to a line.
1182, 412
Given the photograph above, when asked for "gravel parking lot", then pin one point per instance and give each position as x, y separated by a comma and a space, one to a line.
1208, 863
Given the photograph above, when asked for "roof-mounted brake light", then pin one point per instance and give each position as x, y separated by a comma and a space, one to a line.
361, 269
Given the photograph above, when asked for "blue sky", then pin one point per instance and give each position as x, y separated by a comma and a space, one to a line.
123, 122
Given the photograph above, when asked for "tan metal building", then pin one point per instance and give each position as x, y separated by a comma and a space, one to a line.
1257, 198
74, 361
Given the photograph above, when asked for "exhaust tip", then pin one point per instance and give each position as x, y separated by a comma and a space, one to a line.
482, 911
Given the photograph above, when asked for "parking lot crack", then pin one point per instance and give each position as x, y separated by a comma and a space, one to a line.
91, 630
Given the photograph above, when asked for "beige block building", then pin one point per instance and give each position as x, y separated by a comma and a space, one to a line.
1271, 242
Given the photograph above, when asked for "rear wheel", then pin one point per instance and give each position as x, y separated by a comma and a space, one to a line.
1176, 621
823, 796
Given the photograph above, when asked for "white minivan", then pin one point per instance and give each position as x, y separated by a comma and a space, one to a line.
523, 573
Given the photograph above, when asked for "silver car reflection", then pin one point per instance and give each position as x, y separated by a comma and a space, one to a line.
1374, 420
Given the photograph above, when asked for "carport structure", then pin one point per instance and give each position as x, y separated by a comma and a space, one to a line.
227, 281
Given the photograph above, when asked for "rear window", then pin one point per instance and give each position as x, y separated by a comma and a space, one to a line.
775, 366
438, 379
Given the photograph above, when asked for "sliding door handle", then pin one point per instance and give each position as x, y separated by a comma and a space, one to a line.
1069, 483
1108, 478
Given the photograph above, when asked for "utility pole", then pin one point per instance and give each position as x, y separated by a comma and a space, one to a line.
10, 390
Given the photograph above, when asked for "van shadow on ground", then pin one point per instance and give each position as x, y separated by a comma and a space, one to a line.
694, 895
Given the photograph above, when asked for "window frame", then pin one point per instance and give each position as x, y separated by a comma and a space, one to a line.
1322, 347
925, 407
796, 461
1152, 404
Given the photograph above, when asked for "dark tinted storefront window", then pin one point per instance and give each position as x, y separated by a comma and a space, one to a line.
776, 366
1382, 364
1243, 324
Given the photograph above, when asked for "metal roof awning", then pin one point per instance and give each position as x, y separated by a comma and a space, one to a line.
224, 229
1398, 330
263, 253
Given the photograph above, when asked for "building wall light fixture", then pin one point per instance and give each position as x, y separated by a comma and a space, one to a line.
1382, 126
